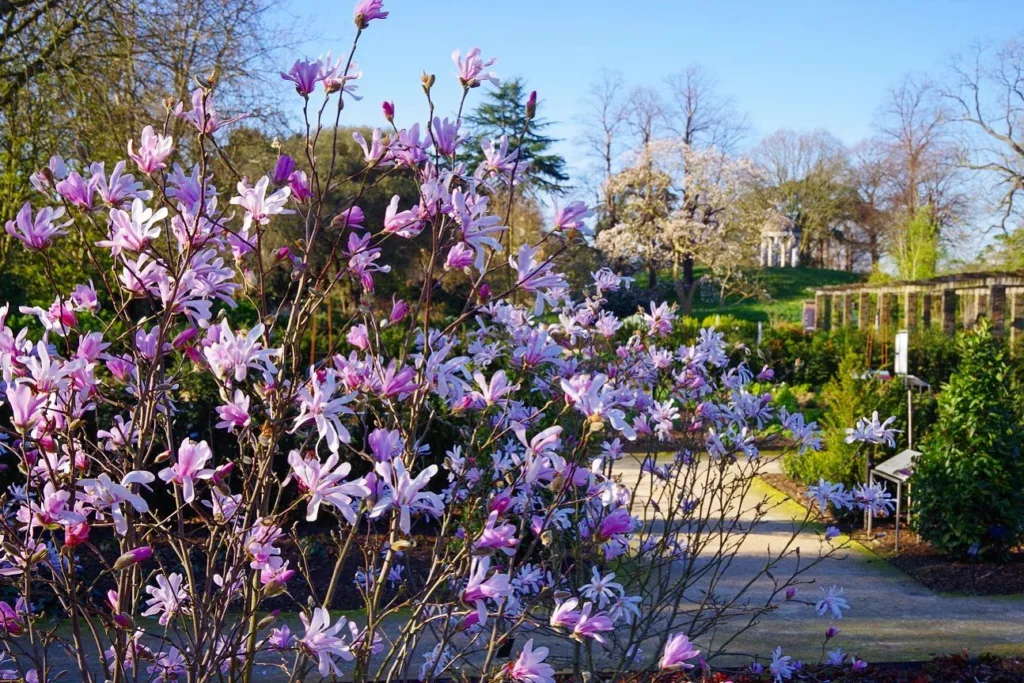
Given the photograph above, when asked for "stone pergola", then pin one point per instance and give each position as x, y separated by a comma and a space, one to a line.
780, 242
951, 301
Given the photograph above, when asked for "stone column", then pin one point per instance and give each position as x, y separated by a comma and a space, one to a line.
910, 300
997, 310
926, 311
949, 305
847, 309
886, 306
1016, 318
865, 311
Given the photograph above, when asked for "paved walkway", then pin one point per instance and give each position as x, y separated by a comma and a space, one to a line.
892, 617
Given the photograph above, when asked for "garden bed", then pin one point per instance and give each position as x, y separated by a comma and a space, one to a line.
917, 558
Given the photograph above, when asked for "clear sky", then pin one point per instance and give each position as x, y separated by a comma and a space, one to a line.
786, 63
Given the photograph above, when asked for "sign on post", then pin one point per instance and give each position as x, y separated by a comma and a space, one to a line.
902, 351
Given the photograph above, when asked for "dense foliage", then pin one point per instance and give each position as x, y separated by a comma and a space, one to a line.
969, 482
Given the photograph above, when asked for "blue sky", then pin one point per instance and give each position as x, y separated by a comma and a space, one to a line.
787, 63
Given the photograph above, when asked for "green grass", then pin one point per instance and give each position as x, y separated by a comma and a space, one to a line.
787, 289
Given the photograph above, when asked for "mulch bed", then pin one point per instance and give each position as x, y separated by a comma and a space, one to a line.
917, 558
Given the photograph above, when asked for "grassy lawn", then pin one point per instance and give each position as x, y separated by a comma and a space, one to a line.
787, 289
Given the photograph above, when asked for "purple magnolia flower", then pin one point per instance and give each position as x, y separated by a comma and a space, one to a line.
283, 169
305, 75
78, 191
529, 666
153, 151
446, 135
459, 256
678, 649
369, 10
571, 217
480, 587
591, 625
472, 69
322, 642
36, 233
497, 537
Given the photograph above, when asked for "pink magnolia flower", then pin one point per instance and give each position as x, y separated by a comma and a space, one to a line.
319, 404
472, 69
258, 206
480, 587
167, 599
404, 492
299, 185
78, 191
153, 151
36, 233
406, 224
132, 231
326, 482
322, 642
591, 626
203, 114
369, 10
565, 615
677, 651
189, 467
25, 405
236, 413
105, 494
536, 275
460, 256
529, 666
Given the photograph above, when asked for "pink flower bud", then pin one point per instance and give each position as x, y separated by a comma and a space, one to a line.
531, 105
399, 309
184, 338
485, 292
282, 253
76, 534
790, 593
388, 108
133, 557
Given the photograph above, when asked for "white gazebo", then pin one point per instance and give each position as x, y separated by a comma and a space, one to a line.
780, 242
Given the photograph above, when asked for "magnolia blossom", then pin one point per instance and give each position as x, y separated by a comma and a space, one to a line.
322, 642
406, 493
529, 666
189, 467
325, 482
369, 10
37, 233
105, 494
167, 598
677, 651
133, 231
319, 404
153, 151
258, 206
472, 69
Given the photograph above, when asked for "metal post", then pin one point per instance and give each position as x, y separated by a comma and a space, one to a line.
899, 495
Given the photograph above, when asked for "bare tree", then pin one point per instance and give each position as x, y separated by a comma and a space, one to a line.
923, 151
699, 115
646, 114
604, 119
985, 98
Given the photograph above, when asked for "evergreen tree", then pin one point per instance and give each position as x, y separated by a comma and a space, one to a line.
503, 112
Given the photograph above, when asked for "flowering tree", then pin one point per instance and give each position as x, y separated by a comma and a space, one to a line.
679, 205
528, 530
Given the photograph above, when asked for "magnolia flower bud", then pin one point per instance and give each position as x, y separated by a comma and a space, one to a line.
123, 621
133, 557
267, 620
427, 80
531, 105
388, 108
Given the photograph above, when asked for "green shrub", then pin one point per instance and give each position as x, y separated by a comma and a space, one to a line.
969, 483
849, 395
